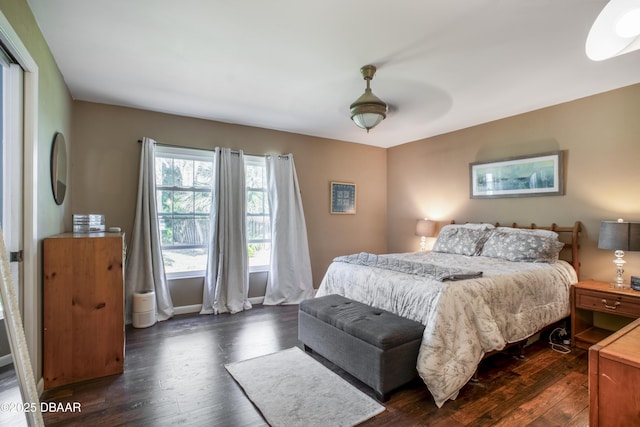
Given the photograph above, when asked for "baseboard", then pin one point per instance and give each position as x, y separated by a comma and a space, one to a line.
187, 309
195, 308
5, 360
256, 300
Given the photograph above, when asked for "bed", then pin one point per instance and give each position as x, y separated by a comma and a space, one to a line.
481, 288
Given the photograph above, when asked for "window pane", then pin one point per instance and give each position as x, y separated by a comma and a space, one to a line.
255, 176
184, 206
256, 202
164, 201
183, 202
203, 227
202, 203
183, 197
259, 254
203, 174
258, 227
184, 260
184, 177
189, 231
164, 171
166, 230
258, 219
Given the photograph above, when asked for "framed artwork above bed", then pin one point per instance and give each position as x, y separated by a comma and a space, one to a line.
526, 176
343, 198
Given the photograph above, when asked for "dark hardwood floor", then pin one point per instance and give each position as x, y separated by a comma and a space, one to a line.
9, 398
175, 375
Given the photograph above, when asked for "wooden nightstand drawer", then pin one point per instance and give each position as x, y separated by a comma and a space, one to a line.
608, 302
589, 297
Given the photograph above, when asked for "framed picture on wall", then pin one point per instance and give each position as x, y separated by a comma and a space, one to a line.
538, 175
343, 198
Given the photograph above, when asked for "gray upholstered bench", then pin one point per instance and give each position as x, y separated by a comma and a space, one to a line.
375, 346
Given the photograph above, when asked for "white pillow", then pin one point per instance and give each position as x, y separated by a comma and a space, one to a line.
462, 239
530, 231
522, 246
470, 225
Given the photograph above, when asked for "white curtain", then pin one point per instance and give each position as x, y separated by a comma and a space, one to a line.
226, 283
290, 279
145, 267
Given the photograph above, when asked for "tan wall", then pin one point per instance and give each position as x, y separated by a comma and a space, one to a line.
601, 139
105, 161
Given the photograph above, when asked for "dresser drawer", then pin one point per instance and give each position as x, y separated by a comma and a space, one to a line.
608, 302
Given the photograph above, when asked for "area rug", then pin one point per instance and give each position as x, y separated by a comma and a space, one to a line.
290, 388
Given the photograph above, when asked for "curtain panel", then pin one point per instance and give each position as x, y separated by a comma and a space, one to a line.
226, 283
144, 269
290, 280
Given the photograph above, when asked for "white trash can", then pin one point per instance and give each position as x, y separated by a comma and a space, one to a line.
144, 309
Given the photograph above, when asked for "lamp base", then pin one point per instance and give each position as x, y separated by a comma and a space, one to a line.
619, 262
617, 285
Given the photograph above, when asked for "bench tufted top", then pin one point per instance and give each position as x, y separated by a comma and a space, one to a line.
380, 328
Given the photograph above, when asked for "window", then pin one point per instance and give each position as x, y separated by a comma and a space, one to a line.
183, 196
258, 218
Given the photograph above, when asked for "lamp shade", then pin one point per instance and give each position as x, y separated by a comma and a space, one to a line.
425, 228
619, 235
367, 120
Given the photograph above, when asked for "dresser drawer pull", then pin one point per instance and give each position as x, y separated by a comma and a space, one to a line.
610, 307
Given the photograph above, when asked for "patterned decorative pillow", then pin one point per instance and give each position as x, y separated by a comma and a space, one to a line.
534, 231
463, 239
523, 245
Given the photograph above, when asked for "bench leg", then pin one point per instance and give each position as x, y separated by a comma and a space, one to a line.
382, 397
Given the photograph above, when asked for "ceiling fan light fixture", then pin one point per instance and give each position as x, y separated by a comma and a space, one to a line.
629, 24
615, 31
368, 110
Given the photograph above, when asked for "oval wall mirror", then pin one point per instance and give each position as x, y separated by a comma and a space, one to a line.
59, 168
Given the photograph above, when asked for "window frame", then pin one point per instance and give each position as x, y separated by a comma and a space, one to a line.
255, 160
183, 153
164, 151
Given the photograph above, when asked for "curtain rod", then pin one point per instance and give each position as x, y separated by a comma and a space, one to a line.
280, 156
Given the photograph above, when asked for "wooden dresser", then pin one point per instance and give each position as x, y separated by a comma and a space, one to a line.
614, 379
83, 307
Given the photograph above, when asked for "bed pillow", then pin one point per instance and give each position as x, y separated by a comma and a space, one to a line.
462, 239
533, 231
522, 245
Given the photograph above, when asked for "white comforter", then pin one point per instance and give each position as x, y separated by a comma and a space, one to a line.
464, 319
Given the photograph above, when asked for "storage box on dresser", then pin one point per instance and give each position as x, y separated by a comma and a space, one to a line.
83, 307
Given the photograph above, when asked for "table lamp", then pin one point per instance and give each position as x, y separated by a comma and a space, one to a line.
619, 236
425, 228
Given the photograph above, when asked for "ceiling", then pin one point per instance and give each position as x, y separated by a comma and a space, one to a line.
294, 65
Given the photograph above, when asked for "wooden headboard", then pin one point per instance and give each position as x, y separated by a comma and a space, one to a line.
568, 235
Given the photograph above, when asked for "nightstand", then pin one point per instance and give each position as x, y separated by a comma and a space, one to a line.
589, 297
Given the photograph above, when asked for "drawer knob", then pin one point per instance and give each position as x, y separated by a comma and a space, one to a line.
610, 307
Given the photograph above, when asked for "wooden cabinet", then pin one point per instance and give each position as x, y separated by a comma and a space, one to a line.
614, 379
589, 297
83, 307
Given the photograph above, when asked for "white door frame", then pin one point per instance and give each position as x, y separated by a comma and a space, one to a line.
18, 50
12, 168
